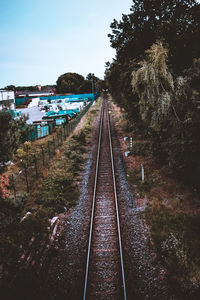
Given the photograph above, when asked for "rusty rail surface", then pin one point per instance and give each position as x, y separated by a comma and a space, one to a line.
104, 276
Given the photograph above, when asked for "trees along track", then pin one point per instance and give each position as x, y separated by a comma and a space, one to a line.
104, 277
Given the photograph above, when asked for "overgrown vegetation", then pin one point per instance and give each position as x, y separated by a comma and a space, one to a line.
176, 239
169, 109
155, 80
158, 85
57, 193
172, 212
12, 134
76, 83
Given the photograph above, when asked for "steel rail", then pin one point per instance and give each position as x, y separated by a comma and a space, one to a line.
93, 205
117, 210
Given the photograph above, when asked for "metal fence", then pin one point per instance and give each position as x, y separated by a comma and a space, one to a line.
31, 168
90, 96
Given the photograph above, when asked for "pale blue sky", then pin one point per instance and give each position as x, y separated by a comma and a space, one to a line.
42, 39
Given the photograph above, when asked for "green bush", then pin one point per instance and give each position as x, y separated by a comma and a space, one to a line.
141, 149
176, 239
36, 224
58, 194
80, 137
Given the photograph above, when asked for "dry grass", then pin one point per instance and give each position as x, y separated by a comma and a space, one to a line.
172, 211
64, 162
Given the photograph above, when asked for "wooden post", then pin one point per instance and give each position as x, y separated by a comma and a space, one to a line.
49, 150
43, 155
36, 169
61, 136
54, 145
26, 176
64, 128
14, 190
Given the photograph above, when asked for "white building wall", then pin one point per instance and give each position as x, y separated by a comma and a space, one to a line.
7, 98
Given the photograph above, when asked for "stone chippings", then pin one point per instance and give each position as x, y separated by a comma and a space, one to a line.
141, 270
65, 279
66, 273
141, 267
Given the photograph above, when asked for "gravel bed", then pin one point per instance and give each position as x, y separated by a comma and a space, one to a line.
65, 279
141, 270
144, 278
66, 273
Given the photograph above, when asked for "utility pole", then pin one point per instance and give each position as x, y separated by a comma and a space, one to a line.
92, 85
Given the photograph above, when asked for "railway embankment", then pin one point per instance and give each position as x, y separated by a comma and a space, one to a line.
33, 221
156, 216
167, 213
143, 274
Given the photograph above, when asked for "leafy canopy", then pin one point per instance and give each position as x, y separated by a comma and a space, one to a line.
176, 22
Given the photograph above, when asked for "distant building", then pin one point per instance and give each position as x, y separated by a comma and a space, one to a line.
7, 99
31, 94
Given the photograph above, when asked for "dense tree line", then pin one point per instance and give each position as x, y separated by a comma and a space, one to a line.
30, 88
74, 83
155, 77
67, 83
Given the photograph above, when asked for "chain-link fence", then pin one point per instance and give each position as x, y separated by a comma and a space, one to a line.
31, 168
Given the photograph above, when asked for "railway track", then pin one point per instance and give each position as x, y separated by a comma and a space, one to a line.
104, 276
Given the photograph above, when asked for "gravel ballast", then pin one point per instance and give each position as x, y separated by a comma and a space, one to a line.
144, 278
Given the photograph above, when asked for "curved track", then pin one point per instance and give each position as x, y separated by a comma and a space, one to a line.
104, 278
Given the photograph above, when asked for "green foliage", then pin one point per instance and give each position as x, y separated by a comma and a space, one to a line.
174, 21
163, 102
80, 137
13, 133
15, 237
58, 194
76, 84
26, 153
141, 149
91, 76
10, 88
176, 239
169, 109
118, 80
69, 83
11, 236
36, 224
153, 84
142, 187
11, 209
